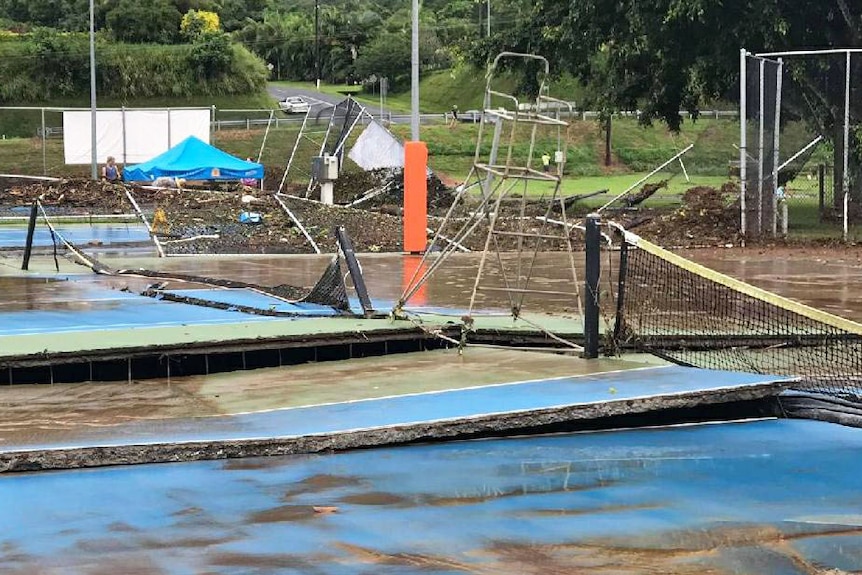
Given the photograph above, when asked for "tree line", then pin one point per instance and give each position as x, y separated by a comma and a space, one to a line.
145, 49
334, 40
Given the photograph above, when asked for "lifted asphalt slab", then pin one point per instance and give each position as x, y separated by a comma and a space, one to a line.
395, 419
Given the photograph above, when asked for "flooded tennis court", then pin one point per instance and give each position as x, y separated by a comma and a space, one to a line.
772, 496
828, 279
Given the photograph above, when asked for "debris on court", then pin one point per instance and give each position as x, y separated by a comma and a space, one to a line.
707, 217
194, 221
74, 196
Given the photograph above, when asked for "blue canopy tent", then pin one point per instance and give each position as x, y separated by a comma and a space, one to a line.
193, 159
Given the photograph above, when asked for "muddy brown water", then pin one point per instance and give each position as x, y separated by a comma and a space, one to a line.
825, 278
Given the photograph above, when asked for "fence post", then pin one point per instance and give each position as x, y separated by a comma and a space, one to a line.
821, 188
44, 146
593, 270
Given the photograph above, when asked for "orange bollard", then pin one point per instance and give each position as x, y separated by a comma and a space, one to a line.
415, 197
414, 266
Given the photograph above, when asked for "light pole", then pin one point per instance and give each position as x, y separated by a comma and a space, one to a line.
317, 42
414, 75
93, 139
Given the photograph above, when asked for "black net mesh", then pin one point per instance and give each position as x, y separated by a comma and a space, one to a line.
329, 289
690, 315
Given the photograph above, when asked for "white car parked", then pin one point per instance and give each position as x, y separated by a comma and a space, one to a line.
294, 105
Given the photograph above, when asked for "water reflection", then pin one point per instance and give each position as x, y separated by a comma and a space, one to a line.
823, 281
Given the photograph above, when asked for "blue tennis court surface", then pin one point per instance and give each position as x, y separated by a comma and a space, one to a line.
83, 304
420, 408
104, 309
776, 497
101, 234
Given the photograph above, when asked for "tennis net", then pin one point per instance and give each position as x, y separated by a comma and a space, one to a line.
691, 315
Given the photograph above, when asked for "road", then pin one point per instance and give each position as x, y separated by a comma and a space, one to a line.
281, 92
313, 96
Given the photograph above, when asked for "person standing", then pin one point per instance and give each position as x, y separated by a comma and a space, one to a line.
546, 162
111, 171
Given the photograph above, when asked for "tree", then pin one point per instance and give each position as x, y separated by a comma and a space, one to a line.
386, 56
664, 56
63, 14
142, 21
198, 22
211, 54
284, 40
235, 14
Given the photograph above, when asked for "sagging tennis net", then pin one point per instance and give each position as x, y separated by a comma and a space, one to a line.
692, 315
329, 290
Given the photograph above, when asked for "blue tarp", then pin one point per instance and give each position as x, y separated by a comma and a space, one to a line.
193, 159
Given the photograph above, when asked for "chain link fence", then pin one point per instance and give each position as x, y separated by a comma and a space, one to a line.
798, 144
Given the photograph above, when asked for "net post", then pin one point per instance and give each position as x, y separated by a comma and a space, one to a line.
619, 323
31, 227
346, 246
593, 270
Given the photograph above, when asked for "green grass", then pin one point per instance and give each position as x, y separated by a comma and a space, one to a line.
634, 148
463, 86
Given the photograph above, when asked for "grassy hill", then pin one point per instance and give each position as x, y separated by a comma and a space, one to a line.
463, 86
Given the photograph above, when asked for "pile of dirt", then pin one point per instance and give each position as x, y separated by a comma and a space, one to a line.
385, 190
196, 221
76, 196
208, 222
708, 216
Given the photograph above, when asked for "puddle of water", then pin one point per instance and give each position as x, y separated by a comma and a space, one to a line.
828, 283
81, 235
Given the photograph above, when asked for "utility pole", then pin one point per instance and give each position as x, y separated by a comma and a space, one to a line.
93, 139
317, 42
488, 19
414, 75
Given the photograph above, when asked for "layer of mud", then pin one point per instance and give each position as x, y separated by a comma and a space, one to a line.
198, 221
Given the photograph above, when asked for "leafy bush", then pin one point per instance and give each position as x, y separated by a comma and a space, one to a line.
211, 54
49, 65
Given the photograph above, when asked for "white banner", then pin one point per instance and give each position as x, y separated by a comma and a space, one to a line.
376, 147
130, 136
